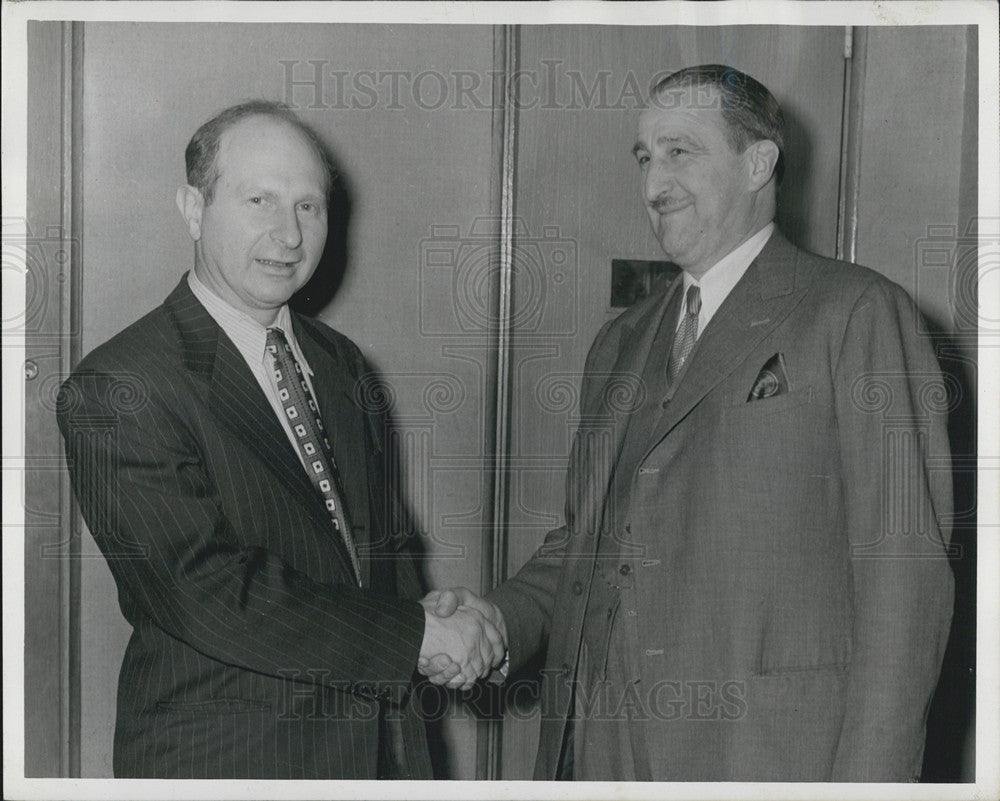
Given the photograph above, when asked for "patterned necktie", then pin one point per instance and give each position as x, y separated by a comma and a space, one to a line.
687, 334
314, 448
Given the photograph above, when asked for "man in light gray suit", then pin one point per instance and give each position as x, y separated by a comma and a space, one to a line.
752, 580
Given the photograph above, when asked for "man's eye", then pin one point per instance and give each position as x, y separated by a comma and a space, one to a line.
642, 159
677, 151
256, 200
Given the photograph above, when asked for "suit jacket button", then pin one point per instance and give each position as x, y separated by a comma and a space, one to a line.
577, 588
665, 403
565, 671
625, 570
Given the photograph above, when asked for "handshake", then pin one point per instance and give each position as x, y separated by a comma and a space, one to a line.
464, 638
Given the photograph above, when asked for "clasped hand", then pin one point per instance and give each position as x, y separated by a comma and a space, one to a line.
464, 638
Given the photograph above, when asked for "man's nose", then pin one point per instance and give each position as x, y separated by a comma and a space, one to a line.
657, 180
286, 230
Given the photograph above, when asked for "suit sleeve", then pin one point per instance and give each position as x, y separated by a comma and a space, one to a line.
527, 599
896, 473
155, 512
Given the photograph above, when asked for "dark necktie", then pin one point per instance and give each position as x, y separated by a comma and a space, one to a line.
314, 448
687, 333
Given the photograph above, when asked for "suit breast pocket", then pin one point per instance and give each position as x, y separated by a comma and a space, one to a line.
748, 411
769, 428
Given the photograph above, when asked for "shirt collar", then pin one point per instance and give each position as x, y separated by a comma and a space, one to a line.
718, 281
249, 336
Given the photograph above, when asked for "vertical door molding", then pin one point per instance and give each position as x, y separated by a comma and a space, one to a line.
52, 345
73, 315
855, 58
503, 161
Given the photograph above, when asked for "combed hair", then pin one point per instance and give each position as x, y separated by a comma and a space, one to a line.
202, 152
749, 109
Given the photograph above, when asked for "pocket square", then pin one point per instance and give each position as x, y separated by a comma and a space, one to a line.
771, 380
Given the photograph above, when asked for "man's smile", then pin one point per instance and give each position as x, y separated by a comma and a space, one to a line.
665, 206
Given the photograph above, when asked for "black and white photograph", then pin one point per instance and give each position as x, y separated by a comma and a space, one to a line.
457, 400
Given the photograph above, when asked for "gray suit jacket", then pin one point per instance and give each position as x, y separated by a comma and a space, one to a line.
792, 549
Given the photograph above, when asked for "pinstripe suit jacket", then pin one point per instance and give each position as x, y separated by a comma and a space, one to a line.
254, 653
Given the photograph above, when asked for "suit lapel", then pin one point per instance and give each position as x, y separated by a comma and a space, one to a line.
602, 455
760, 301
238, 404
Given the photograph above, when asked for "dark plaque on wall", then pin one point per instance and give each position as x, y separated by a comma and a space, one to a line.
633, 279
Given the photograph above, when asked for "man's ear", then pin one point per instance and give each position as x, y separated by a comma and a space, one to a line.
191, 204
762, 157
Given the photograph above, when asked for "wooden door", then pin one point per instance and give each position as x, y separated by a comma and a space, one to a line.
578, 205
417, 164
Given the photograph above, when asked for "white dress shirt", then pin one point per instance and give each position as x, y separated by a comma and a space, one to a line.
250, 339
721, 277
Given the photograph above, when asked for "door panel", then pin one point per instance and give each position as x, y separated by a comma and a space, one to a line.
577, 194
413, 160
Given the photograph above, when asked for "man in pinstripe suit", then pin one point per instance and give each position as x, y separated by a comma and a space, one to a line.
276, 626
